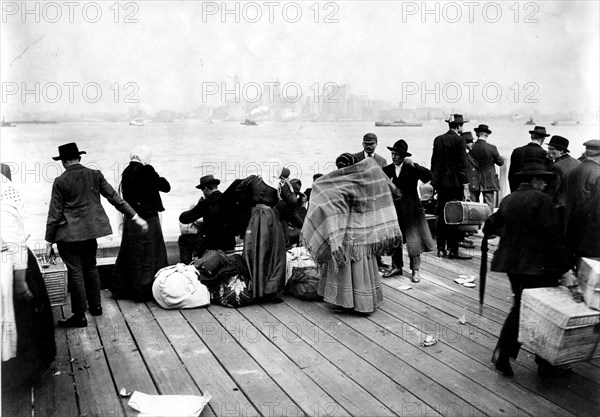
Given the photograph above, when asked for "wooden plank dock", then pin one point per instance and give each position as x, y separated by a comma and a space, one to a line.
301, 358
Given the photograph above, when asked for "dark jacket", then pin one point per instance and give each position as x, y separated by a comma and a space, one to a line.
474, 173
582, 224
449, 161
75, 211
561, 168
140, 187
215, 232
531, 150
487, 156
379, 159
530, 242
411, 215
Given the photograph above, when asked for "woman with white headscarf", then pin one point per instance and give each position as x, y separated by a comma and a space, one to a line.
141, 254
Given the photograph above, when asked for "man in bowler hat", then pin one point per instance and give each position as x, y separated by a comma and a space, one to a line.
561, 164
451, 181
487, 157
76, 219
214, 232
532, 150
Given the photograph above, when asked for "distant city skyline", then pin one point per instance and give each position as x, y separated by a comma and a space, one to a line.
491, 57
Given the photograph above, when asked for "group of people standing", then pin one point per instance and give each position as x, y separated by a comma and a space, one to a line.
363, 210
550, 219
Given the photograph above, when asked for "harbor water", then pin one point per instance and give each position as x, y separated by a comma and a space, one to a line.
184, 151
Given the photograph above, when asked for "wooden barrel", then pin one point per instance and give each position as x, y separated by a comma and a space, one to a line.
466, 212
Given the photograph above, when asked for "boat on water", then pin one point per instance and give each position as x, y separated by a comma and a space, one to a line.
138, 122
396, 123
565, 123
530, 122
7, 124
249, 122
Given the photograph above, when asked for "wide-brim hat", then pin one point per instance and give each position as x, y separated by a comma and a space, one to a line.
534, 167
456, 118
483, 128
540, 131
207, 180
559, 142
68, 151
400, 147
468, 137
296, 184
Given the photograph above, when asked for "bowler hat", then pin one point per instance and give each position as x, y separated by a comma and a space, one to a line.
483, 128
207, 180
370, 137
400, 147
468, 137
534, 167
540, 131
456, 118
68, 151
593, 144
296, 184
559, 142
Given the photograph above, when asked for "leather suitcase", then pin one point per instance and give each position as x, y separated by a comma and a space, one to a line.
466, 213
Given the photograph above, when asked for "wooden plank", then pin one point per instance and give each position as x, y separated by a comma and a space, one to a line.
433, 364
95, 387
256, 384
425, 386
332, 380
287, 325
54, 394
205, 369
487, 330
304, 392
124, 359
526, 376
501, 300
457, 354
170, 376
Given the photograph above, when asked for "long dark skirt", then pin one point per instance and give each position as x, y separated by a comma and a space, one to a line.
36, 348
141, 255
264, 252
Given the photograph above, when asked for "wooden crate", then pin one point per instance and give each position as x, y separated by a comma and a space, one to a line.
55, 278
588, 273
557, 328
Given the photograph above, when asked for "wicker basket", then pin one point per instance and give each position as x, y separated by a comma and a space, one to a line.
557, 328
55, 278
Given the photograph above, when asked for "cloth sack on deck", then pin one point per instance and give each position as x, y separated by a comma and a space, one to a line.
297, 257
178, 286
303, 284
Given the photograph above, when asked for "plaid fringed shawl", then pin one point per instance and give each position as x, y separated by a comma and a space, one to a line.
351, 214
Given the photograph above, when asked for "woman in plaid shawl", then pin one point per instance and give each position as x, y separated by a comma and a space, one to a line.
351, 219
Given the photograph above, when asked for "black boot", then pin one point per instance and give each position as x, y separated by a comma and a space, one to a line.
502, 363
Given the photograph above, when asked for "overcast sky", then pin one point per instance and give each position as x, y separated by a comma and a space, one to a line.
540, 55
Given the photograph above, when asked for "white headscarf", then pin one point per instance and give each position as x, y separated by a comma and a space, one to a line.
271, 171
141, 154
